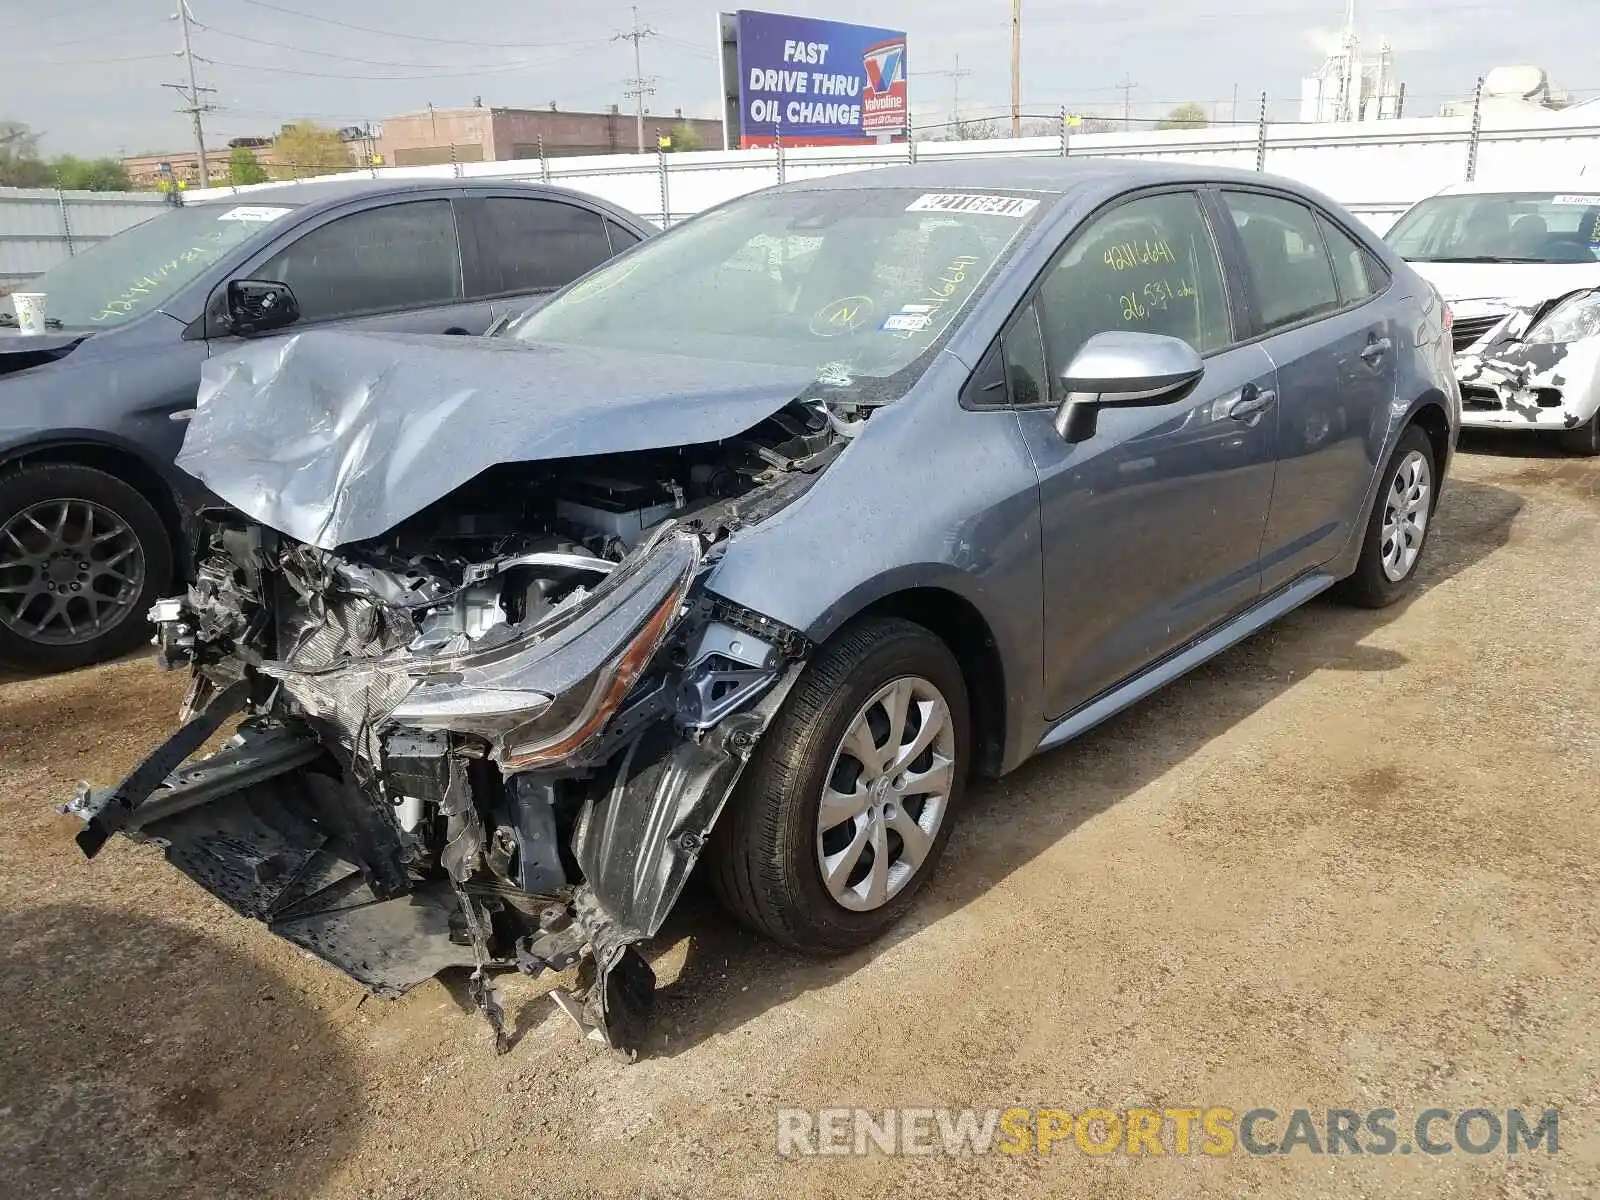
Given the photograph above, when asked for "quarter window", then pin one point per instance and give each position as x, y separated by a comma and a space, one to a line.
1148, 265
377, 260
1357, 274
541, 245
1290, 274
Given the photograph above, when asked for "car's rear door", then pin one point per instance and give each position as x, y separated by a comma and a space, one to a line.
393, 263
529, 247
1152, 526
1316, 305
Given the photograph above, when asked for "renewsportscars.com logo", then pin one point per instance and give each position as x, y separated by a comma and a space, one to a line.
1213, 1132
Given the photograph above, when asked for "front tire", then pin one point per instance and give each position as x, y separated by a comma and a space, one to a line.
851, 793
1584, 440
83, 556
1398, 529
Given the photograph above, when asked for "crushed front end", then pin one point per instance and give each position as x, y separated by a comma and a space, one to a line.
496, 737
1533, 366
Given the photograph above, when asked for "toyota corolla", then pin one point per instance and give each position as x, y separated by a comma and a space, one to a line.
752, 547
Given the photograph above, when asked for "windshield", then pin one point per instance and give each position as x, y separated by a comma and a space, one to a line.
848, 283
1521, 227
140, 269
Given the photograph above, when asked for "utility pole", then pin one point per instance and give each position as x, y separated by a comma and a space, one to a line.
1127, 85
1016, 68
955, 75
192, 92
638, 87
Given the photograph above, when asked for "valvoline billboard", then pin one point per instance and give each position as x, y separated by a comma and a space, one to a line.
819, 83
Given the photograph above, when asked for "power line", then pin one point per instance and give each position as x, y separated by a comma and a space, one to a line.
95, 37
955, 75
379, 62
410, 37
638, 87
498, 68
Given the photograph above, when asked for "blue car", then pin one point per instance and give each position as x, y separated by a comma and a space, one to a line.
90, 504
750, 548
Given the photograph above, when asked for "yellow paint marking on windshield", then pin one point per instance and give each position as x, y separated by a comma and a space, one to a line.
129, 298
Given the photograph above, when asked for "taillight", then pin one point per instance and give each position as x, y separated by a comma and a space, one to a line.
1449, 319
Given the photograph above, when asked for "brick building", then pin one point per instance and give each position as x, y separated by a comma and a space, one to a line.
478, 134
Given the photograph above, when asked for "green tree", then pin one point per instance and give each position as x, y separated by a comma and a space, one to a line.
90, 174
20, 164
681, 139
244, 167
306, 148
1185, 116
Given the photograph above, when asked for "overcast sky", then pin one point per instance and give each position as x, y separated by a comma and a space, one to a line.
87, 74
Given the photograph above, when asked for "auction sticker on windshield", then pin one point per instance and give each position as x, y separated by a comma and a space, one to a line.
998, 206
1576, 201
254, 212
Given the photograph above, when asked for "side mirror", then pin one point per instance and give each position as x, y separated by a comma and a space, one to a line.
260, 305
1123, 368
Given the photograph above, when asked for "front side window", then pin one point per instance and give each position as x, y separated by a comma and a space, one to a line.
1290, 274
377, 260
1525, 227
541, 245
1148, 265
853, 284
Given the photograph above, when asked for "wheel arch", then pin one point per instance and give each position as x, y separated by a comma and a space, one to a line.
1433, 417
116, 459
958, 623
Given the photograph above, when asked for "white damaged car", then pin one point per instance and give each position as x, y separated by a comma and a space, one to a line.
1520, 269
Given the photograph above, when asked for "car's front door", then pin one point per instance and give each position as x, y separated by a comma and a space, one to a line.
394, 266
1335, 351
1152, 526
530, 247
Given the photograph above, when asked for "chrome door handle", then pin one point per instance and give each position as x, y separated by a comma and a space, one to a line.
1250, 401
1376, 349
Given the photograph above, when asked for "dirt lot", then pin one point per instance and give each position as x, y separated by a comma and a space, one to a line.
1353, 863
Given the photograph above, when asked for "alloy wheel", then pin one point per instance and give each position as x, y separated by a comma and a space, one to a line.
887, 793
70, 570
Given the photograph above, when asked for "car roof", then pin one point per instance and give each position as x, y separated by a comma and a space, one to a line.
1575, 185
1055, 175
327, 192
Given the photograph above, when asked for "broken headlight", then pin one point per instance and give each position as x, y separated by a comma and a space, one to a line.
1575, 318
539, 696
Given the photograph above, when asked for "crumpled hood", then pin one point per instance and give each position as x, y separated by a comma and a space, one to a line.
332, 436
1502, 286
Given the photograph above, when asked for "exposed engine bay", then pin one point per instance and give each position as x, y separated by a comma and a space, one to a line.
496, 736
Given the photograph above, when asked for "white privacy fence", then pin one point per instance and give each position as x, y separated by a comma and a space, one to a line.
1377, 169
41, 226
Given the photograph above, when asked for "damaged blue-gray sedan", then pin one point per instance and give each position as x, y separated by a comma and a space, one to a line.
753, 545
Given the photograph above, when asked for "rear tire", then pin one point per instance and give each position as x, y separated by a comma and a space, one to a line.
768, 851
1584, 440
83, 556
1392, 544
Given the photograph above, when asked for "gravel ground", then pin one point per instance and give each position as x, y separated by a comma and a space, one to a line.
1352, 863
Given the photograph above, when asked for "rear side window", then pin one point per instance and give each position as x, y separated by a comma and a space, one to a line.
541, 245
1290, 274
377, 260
621, 238
1147, 265
1354, 269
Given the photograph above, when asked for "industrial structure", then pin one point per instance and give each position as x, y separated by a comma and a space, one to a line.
1350, 87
